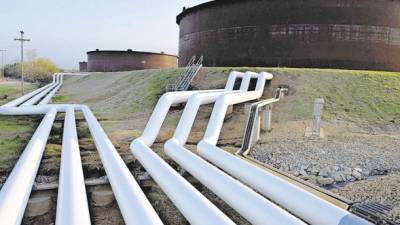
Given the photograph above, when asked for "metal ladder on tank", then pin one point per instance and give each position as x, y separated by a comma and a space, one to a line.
187, 75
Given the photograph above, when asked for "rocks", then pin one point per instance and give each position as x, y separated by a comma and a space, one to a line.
38, 205
344, 160
325, 181
356, 175
102, 197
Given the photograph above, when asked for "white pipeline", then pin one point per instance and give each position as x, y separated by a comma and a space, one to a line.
40, 95
194, 206
15, 193
22, 99
134, 206
50, 95
255, 208
303, 204
72, 204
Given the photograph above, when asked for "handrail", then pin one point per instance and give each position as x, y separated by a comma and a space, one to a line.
253, 115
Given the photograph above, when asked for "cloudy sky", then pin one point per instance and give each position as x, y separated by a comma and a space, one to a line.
63, 30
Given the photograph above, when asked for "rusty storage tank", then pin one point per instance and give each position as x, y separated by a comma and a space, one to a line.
353, 34
108, 61
82, 66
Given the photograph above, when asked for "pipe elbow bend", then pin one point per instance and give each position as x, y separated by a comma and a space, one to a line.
201, 145
134, 143
167, 97
266, 75
195, 98
223, 99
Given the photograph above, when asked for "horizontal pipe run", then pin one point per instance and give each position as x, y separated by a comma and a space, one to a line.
50, 95
134, 206
72, 204
194, 206
15, 193
301, 203
40, 95
238, 196
255, 208
35, 110
22, 99
317, 211
191, 203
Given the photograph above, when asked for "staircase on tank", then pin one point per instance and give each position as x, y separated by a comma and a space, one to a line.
187, 75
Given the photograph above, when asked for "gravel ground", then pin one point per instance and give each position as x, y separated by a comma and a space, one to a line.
359, 164
384, 189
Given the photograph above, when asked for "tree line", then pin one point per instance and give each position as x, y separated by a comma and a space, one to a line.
36, 70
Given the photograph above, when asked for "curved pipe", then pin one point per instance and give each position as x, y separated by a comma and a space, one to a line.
72, 204
249, 204
316, 211
15, 193
194, 206
134, 206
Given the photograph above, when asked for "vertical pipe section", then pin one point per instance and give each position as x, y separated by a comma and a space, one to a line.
72, 204
134, 206
15, 193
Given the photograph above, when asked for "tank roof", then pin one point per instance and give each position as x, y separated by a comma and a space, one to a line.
129, 51
210, 4
203, 6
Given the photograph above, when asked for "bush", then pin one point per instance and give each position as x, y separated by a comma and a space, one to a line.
38, 70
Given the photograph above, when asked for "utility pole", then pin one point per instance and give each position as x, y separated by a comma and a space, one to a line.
2, 63
22, 40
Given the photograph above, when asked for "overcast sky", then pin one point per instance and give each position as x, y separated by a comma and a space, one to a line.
63, 30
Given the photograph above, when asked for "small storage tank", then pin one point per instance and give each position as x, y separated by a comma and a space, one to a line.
83, 66
111, 60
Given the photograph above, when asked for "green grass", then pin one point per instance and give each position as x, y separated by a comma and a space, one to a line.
60, 99
12, 91
156, 86
353, 95
12, 124
11, 141
9, 150
360, 96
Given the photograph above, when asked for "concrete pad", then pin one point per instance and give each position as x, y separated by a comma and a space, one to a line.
309, 133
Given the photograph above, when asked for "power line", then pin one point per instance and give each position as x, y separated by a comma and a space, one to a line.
22, 40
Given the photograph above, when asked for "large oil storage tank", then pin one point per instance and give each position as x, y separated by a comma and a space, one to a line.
353, 34
111, 60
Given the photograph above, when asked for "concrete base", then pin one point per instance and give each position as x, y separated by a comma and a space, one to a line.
38, 205
102, 197
309, 133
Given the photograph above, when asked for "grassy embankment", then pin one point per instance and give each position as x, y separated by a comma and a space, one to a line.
352, 95
14, 131
360, 96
